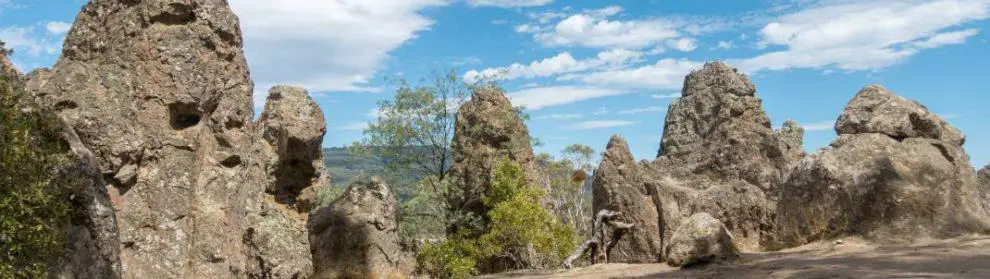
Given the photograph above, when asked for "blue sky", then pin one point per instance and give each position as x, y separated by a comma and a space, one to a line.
590, 69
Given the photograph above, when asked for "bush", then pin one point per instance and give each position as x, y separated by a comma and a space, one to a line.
34, 211
452, 258
521, 233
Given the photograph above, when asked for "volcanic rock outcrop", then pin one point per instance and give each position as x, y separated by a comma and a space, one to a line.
717, 141
356, 235
159, 91
896, 173
488, 129
700, 239
719, 155
618, 186
91, 243
293, 126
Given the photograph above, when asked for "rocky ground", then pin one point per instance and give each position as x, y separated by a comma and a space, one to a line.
852, 257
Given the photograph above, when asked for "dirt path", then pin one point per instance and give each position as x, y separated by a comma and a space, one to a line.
964, 257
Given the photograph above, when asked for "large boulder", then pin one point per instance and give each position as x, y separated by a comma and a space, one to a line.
897, 173
160, 92
618, 186
876, 110
356, 235
488, 129
701, 239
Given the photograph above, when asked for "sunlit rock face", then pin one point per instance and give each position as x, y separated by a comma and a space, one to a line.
896, 173
160, 92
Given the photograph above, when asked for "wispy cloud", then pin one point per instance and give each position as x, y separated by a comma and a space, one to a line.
284, 40
595, 29
664, 74
643, 110
819, 126
509, 3
599, 124
541, 97
57, 27
560, 116
356, 126
559, 64
863, 35
666, 96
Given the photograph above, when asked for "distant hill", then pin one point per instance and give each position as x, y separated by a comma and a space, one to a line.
344, 166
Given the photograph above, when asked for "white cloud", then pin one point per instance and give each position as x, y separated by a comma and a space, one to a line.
24, 40
683, 44
509, 3
724, 45
57, 27
600, 124
643, 110
560, 116
947, 38
326, 45
542, 97
666, 96
556, 65
356, 126
819, 126
594, 29
667, 73
863, 35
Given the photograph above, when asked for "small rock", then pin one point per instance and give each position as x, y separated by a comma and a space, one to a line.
701, 239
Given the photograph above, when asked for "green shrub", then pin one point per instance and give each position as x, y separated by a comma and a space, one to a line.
452, 258
521, 233
34, 211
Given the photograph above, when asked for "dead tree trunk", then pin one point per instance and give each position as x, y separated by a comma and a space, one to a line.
605, 230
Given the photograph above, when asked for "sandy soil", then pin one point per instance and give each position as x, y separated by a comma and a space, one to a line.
964, 257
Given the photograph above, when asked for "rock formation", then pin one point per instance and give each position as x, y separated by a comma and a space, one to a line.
700, 239
159, 91
293, 126
91, 242
618, 186
718, 143
487, 130
896, 173
719, 155
356, 235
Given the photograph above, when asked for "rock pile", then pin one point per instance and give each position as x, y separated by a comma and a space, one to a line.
896, 173
718, 155
355, 236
